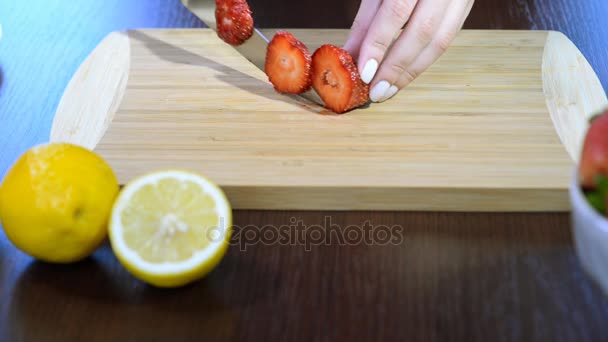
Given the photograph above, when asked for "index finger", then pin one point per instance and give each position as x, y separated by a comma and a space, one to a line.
360, 26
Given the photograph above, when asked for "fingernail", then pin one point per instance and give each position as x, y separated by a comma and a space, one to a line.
390, 92
378, 91
369, 70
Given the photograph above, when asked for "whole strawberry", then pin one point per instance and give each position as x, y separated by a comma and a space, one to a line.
593, 166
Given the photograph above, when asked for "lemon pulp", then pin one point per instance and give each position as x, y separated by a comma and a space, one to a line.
170, 227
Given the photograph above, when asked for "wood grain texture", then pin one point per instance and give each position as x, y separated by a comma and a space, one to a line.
456, 139
572, 89
455, 277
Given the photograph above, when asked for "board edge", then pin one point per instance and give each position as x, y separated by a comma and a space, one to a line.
398, 199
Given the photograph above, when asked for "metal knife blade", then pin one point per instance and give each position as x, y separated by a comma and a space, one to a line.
254, 49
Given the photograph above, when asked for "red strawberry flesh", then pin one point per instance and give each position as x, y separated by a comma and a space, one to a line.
288, 64
594, 156
336, 79
234, 21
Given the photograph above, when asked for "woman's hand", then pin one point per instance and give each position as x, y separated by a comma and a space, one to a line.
390, 60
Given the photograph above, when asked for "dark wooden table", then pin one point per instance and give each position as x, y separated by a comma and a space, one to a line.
449, 277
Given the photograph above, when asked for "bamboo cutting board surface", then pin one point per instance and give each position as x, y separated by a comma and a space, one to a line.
495, 125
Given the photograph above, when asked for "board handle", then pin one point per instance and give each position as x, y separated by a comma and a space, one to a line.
572, 90
83, 120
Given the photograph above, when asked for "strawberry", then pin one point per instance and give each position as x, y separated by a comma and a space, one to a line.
288, 64
234, 21
594, 156
593, 166
336, 79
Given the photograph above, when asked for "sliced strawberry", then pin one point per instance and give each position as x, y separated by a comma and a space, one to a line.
594, 156
234, 21
336, 79
288, 64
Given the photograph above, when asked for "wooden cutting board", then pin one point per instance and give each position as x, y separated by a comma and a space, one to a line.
495, 125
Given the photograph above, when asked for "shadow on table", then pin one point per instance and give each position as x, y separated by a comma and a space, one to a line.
85, 299
255, 86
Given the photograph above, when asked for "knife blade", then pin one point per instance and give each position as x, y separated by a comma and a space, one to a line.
254, 49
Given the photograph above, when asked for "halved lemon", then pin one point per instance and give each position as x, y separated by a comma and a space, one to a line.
170, 227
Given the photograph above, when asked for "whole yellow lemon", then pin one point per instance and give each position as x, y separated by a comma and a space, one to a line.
55, 202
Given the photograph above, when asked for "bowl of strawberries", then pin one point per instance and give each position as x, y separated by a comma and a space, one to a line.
589, 201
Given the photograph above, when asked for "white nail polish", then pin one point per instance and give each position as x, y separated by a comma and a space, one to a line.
378, 91
390, 92
369, 70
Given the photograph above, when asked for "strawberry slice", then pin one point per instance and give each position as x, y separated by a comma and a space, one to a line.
288, 64
336, 79
234, 21
594, 156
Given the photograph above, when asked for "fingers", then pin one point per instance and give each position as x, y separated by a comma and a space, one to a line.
414, 39
467, 11
387, 22
367, 11
415, 51
443, 39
